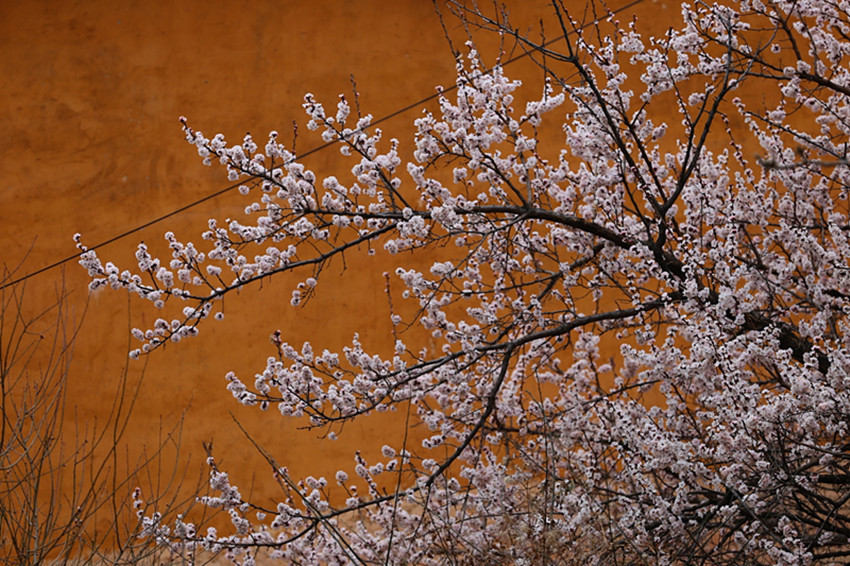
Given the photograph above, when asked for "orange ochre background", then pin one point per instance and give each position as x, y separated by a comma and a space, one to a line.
91, 93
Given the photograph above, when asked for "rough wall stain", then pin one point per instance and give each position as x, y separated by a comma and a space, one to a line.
90, 143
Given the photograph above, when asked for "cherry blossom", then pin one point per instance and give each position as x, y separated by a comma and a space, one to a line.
637, 340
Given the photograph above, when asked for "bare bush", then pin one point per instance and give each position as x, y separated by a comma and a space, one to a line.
66, 486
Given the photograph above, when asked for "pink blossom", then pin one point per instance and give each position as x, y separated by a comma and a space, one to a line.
630, 347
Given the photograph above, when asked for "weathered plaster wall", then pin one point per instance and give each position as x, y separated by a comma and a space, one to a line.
89, 142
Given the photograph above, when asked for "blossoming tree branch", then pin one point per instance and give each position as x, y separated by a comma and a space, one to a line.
638, 341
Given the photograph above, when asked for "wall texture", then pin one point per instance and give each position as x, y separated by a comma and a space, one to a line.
90, 143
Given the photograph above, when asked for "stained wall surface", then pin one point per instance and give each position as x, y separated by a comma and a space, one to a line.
90, 142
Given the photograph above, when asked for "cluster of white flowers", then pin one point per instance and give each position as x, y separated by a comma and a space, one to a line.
638, 349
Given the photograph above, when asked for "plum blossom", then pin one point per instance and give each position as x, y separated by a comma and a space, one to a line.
631, 347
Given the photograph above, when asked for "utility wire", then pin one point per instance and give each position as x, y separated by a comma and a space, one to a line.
307, 153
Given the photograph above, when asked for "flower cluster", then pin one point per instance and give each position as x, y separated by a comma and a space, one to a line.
633, 349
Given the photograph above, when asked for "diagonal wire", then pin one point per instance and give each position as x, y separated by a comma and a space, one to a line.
309, 152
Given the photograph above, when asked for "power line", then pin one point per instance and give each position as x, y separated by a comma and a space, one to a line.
316, 149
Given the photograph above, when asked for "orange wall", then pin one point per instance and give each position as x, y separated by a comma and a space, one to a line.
91, 93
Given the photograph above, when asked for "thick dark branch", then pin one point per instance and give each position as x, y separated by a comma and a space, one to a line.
789, 339
509, 349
